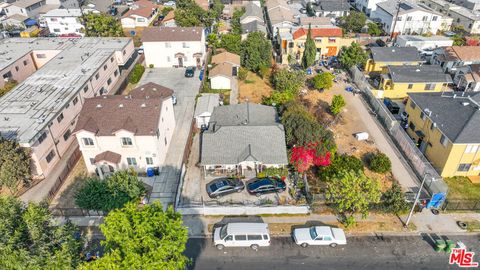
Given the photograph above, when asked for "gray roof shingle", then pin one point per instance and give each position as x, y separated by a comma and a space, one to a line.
207, 103
395, 54
418, 74
252, 10
244, 132
457, 118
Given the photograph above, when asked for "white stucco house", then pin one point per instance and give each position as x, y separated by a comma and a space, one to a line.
174, 46
223, 74
204, 109
117, 132
367, 6
64, 21
141, 14
242, 139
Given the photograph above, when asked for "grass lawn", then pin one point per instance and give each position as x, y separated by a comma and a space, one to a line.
461, 188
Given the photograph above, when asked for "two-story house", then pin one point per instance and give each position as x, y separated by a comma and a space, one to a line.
445, 128
398, 81
64, 21
332, 8
117, 132
380, 57
279, 16
367, 6
461, 15
141, 14
174, 46
455, 58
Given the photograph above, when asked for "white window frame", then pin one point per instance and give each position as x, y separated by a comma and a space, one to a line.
126, 141
471, 148
86, 142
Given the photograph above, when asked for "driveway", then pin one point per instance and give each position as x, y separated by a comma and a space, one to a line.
165, 185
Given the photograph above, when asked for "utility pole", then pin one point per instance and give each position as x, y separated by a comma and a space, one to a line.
395, 21
416, 200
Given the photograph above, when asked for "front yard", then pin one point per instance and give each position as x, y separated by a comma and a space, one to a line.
253, 88
461, 188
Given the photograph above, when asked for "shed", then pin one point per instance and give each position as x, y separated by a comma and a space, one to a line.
204, 109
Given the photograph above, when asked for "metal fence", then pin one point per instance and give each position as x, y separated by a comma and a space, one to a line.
461, 205
421, 166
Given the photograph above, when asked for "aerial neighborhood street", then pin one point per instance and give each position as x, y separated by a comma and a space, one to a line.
230, 134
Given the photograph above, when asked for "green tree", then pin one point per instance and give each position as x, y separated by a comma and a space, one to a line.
142, 238
31, 239
338, 102
112, 193
14, 165
256, 51
340, 163
351, 192
379, 163
101, 25
353, 22
374, 29
213, 41
231, 43
285, 80
353, 55
166, 10
189, 14
459, 40
393, 200
136, 73
235, 21
308, 58
323, 81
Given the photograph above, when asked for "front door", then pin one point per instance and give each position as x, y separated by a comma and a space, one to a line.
198, 62
180, 62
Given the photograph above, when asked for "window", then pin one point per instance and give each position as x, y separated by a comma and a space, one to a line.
432, 126
399, 19
434, 18
471, 149
430, 86
42, 55
464, 167
131, 161
50, 156
68, 105
67, 134
104, 67
165, 141
42, 137
254, 237
185, 45
127, 141
92, 161
168, 58
87, 141
423, 115
56, 30
25, 62
75, 101
412, 126
412, 105
265, 237
85, 89
111, 59
240, 237
425, 18
332, 40
409, 18
140, 20
410, 85
167, 45
124, 52
53, 19
16, 68
97, 76
443, 140
109, 81
149, 160
60, 118
115, 73
327, 238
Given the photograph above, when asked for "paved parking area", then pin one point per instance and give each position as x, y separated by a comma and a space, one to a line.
165, 185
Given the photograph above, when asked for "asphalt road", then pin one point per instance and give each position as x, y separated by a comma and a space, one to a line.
368, 252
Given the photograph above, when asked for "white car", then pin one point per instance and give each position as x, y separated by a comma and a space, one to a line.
319, 236
169, 4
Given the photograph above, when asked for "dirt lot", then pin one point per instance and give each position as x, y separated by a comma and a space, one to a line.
66, 195
253, 88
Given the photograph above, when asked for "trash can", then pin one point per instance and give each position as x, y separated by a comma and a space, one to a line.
440, 245
156, 170
150, 172
449, 246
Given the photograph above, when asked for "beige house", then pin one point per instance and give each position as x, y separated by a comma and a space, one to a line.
119, 132
141, 14
224, 73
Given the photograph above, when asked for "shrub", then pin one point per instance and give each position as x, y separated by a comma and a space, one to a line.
337, 104
285, 80
151, 66
393, 200
263, 71
276, 171
242, 73
379, 163
341, 163
323, 81
136, 74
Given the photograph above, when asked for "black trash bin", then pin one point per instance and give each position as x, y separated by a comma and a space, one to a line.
156, 170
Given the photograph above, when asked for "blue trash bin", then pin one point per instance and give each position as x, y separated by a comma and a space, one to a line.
150, 172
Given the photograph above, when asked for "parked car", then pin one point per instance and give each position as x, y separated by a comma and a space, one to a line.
174, 99
224, 186
189, 72
404, 116
169, 4
319, 236
266, 185
391, 106
113, 11
252, 235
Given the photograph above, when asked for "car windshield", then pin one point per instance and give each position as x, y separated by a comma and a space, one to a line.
313, 233
219, 184
223, 232
260, 183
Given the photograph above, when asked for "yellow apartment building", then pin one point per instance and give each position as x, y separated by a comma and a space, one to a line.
397, 81
380, 57
446, 128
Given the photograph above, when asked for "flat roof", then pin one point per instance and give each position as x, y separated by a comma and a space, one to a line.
74, 12
32, 105
395, 54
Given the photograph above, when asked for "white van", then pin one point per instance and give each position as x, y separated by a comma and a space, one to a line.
252, 235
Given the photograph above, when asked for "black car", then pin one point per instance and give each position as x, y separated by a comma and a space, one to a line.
189, 72
391, 106
266, 185
224, 186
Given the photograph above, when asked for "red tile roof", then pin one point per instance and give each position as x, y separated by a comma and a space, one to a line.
319, 32
108, 156
145, 9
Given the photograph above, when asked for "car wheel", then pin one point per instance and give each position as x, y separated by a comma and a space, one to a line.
258, 194
254, 247
333, 245
304, 245
219, 246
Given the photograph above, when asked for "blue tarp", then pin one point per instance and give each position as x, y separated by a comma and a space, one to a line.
30, 22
